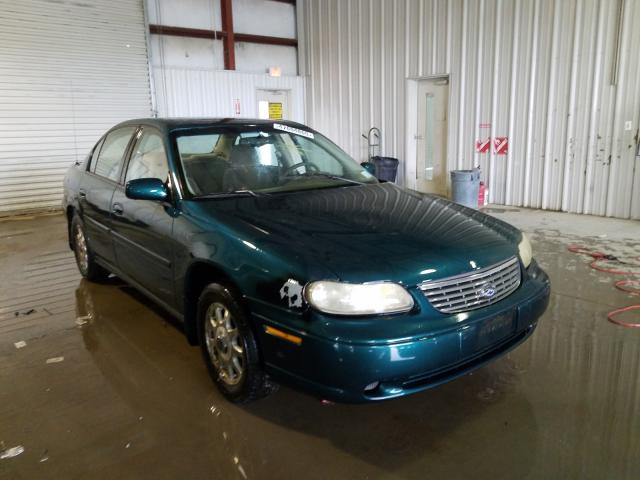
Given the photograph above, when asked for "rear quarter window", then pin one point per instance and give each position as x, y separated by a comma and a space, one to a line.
93, 154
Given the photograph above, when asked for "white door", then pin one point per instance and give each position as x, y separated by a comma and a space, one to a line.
273, 104
431, 139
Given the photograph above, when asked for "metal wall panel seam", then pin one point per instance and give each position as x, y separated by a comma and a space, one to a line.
569, 162
515, 42
337, 37
421, 30
352, 136
551, 104
602, 168
434, 37
147, 41
593, 118
383, 93
462, 89
497, 58
394, 88
478, 86
371, 70
586, 124
316, 76
360, 67
532, 104
614, 189
311, 59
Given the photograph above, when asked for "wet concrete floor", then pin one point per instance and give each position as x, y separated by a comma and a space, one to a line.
96, 382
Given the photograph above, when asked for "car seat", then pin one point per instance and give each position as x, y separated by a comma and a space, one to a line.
205, 173
244, 172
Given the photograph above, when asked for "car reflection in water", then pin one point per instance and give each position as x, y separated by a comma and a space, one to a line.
156, 396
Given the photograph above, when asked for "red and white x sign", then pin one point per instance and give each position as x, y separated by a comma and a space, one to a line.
482, 146
500, 145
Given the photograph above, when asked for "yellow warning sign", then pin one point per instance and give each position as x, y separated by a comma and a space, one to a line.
275, 111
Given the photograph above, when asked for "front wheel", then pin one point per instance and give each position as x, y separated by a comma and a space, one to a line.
85, 259
229, 347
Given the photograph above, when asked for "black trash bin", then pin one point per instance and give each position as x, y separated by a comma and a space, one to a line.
386, 168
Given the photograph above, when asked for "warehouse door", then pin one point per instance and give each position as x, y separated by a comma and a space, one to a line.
431, 139
69, 72
273, 104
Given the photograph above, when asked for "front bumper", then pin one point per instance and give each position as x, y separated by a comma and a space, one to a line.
339, 370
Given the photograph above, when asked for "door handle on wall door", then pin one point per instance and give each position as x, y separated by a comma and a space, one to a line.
117, 208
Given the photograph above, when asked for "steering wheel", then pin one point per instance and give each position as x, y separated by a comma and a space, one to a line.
312, 167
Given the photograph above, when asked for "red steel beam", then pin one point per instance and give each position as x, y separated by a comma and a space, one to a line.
266, 40
186, 32
219, 35
228, 42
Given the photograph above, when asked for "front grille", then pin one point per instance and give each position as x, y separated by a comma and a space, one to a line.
475, 289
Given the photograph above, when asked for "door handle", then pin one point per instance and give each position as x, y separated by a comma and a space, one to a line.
117, 208
82, 193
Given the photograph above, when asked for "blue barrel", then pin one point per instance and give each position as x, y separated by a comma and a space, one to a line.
465, 185
386, 168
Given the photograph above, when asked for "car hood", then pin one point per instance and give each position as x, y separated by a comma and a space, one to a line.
371, 232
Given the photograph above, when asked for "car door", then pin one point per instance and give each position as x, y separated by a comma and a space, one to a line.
96, 190
142, 228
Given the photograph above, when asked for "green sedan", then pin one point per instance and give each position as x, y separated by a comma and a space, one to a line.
289, 262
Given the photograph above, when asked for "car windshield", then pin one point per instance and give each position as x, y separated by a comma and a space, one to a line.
262, 160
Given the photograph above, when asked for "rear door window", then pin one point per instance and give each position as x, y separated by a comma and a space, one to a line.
111, 156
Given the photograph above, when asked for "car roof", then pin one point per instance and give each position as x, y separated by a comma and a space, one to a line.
169, 124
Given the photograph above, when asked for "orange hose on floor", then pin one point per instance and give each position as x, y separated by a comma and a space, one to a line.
620, 284
611, 316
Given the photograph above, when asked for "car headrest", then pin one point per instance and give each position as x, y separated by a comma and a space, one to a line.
156, 163
244, 155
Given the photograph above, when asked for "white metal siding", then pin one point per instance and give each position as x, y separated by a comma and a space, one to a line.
539, 71
183, 92
68, 72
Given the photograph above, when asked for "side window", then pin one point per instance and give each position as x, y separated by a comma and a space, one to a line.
93, 155
148, 159
112, 152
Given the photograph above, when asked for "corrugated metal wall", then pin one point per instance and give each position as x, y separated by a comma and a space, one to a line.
193, 92
68, 72
560, 78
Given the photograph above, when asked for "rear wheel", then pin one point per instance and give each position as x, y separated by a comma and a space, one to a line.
85, 258
229, 347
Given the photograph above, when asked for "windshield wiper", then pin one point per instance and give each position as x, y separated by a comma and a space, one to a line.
234, 193
327, 175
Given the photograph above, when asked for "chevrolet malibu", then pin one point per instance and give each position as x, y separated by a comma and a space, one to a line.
287, 261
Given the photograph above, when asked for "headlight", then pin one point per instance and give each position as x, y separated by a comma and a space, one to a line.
524, 249
358, 299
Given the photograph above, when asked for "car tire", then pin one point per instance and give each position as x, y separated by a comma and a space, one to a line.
229, 346
85, 258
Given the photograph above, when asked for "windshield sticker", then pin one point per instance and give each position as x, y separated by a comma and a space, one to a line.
296, 131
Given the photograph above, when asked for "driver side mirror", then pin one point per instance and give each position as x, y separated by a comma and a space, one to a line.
152, 189
369, 167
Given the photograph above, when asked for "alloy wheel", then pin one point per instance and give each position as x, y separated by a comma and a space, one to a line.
82, 254
224, 344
